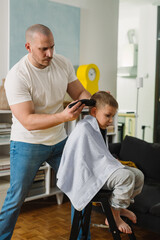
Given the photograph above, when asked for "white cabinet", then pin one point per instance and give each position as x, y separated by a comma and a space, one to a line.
130, 126
45, 182
129, 122
45, 186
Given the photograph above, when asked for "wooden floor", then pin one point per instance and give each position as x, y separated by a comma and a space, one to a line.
45, 220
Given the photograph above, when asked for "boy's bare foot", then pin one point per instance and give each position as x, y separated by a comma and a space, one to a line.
126, 213
129, 214
121, 225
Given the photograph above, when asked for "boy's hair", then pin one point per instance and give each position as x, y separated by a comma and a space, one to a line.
102, 98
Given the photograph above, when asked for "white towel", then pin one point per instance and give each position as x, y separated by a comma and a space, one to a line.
86, 163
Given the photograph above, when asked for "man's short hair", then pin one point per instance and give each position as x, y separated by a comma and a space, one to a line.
37, 28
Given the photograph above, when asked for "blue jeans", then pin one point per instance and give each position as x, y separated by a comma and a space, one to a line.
25, 160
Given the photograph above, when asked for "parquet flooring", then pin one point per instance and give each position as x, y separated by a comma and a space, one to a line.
45, 220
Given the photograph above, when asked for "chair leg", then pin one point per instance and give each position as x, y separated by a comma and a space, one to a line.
112, 225
86, 223
75, 225
81, 220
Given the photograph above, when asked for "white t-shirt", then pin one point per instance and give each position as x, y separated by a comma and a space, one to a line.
46, 88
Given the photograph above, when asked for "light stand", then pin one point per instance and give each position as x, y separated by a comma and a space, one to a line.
139, 84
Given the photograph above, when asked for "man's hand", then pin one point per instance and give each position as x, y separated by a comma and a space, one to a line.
72, 113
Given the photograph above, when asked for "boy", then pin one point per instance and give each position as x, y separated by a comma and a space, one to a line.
87, 165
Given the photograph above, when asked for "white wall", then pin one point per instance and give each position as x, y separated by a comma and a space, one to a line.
147, 65
144, 20
126, 87
4, 39
99, 34
98, 41
98, 38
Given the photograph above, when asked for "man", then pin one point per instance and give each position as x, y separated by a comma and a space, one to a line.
35, 89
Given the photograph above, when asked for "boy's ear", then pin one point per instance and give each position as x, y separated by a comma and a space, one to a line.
93, 111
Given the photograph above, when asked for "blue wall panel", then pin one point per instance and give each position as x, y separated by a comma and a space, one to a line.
63, 20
